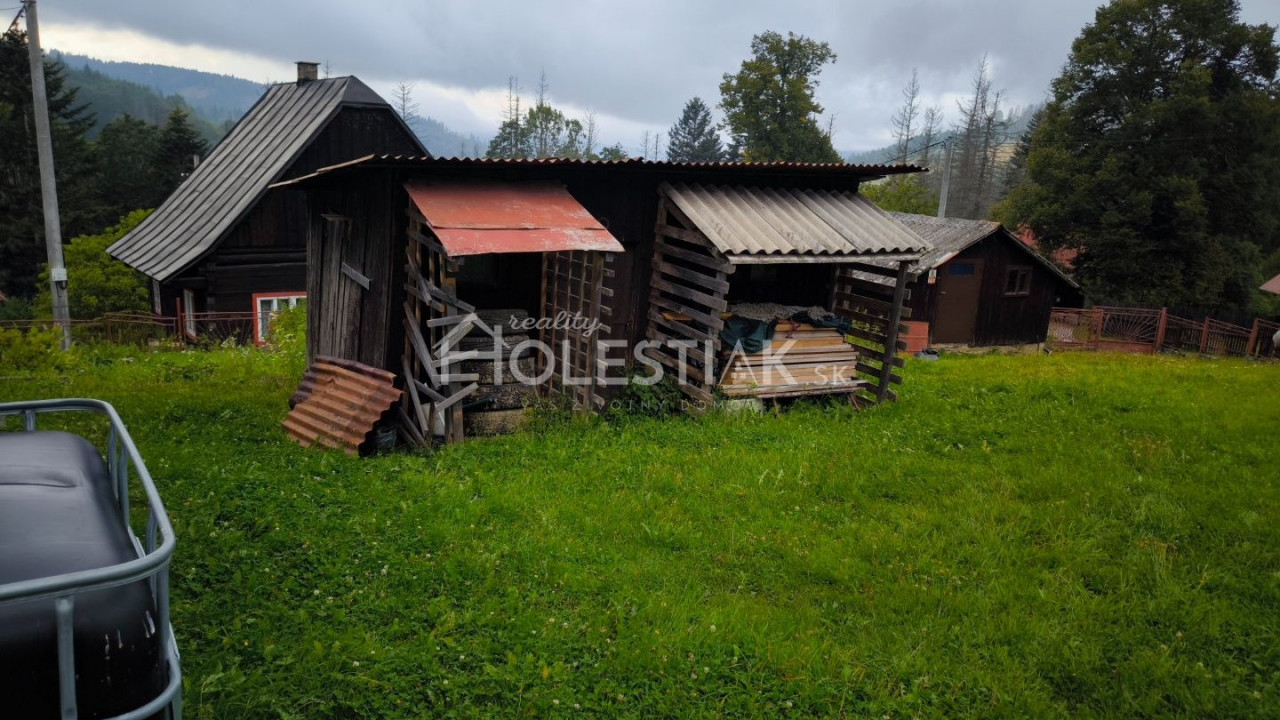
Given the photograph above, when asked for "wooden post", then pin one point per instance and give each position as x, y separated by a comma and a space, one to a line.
1204, 335
1097, 327
891, 332
1253, 338
1161, 324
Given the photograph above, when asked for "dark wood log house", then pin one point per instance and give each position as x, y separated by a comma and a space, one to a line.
223, 245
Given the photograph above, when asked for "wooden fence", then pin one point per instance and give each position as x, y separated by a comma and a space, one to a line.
141, 328
1143, 330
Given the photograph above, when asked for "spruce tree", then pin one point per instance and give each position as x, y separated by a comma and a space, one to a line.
177, 150
694, 137
127, 179
22, 249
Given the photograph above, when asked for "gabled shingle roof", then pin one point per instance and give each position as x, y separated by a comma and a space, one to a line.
950, 236
226, 185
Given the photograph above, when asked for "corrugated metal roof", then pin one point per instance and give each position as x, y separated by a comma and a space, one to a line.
951, 236
228, 183
860, 172
338, 403
475, 218
1272, 286
752, 222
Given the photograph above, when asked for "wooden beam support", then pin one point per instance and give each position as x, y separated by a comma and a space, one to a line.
891, 334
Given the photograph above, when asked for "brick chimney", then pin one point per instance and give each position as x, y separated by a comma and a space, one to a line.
307, 71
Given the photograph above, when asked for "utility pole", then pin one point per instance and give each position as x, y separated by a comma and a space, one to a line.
948, 145
48, 185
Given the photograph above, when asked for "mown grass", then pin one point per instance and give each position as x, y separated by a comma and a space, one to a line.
1062, 536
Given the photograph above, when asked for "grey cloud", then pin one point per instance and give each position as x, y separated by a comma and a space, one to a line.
639, 61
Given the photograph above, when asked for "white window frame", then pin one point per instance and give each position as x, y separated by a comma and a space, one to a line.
262, 316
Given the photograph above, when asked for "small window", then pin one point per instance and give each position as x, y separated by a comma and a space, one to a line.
960, 269
189, 314
266, 305
1017, 281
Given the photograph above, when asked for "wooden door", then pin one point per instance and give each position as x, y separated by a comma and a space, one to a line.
343, 286
956, 313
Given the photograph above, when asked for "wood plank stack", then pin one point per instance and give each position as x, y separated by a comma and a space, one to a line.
495, 409
802, 360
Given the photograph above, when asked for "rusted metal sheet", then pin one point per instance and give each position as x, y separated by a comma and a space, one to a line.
338, 403
861, 172
472, 218
748, 224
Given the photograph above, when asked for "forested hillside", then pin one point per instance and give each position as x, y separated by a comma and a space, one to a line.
213, 96
107, 98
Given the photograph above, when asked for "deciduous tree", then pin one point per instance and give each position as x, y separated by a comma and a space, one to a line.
769, 104
96, 282
1159, 155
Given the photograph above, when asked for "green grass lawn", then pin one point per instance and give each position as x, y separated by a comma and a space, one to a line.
1070, 535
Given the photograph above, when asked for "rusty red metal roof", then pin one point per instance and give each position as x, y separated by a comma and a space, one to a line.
338, 403
475, 218
1272, 286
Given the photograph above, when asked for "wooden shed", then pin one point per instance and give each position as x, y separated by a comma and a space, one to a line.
980, 285
402, 250
223, 247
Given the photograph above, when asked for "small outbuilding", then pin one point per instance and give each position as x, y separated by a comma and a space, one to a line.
980, 285
619, 267
222, 247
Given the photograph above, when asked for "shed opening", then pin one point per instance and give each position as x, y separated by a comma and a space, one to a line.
492, 267
774, 286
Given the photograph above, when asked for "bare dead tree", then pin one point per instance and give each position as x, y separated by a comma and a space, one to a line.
932, 124
591, 134
402, 101
904, 120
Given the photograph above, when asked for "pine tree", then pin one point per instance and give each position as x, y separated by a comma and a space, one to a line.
178, 151
694, 137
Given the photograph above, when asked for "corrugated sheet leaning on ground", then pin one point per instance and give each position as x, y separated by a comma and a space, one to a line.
236, 174
337, 404
792, 221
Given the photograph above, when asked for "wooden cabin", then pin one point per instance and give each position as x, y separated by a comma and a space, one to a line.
402, 251
981, 286
222, 247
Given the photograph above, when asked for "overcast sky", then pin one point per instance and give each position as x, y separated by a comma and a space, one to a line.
634, 64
